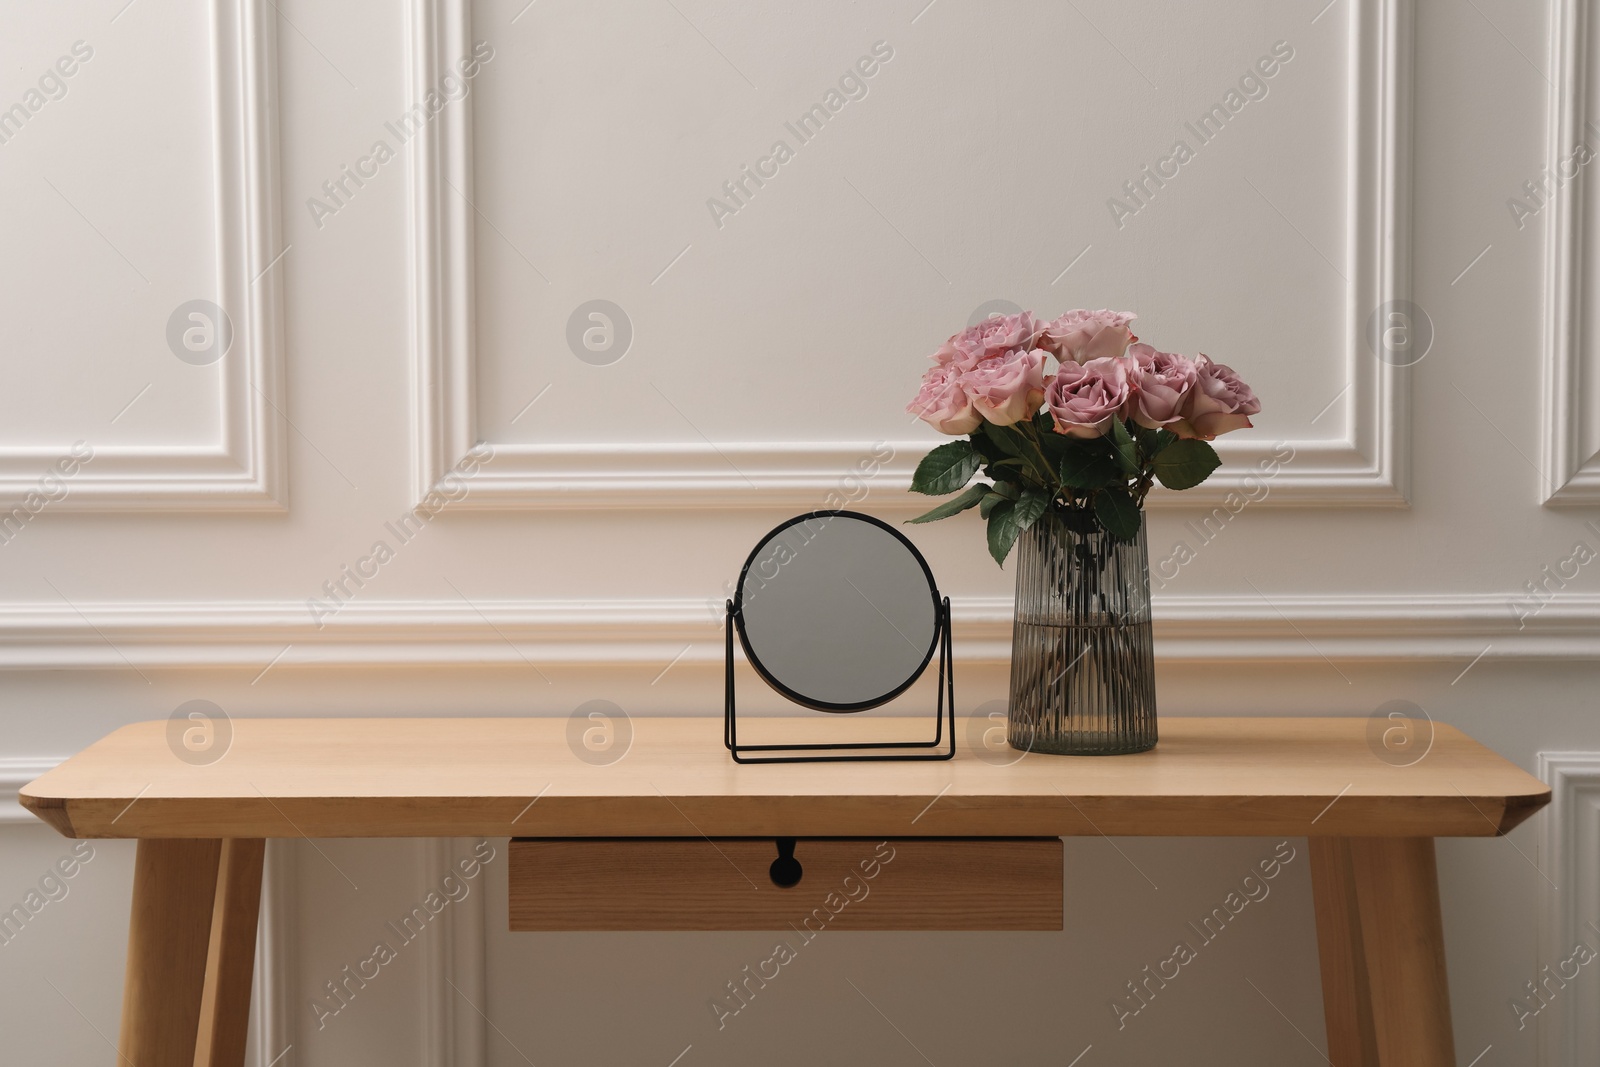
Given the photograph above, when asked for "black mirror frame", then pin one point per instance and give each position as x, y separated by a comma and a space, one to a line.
876, 750
792, 694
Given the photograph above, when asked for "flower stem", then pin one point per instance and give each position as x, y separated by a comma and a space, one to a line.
1052, 479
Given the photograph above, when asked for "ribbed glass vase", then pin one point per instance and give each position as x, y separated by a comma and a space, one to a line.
1082, 665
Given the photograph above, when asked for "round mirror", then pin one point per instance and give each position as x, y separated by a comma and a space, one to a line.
837, 611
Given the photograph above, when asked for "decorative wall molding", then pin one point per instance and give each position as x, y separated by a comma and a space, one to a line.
245, 471
452, 974
591, 633
1367, 466
16, 772
1569, 1028
273, 1033
1571, 463
443, 337
455, 968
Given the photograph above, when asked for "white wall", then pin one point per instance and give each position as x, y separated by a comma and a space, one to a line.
373, 344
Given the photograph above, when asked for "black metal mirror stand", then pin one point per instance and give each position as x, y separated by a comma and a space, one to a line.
866, 750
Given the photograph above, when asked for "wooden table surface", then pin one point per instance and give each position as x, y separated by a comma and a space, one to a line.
519, 777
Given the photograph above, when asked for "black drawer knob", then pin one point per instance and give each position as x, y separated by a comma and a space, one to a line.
785, 871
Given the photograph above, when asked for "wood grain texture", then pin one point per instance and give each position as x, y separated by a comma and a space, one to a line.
174, 884
477, 777
1346, 993
846, 883
231, 955
1381, 940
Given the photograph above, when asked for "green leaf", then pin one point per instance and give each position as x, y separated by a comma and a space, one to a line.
1017, 443
1087, 465
1117, 513
1030, 507
1054, 446
1146, 437
1004, 471
1007, 520
1009, 490
990, 502
1005, 439
1003, 531
990, 451
961, 503
1127, 454
1079, 519
946, 469
1184, 464
1152, 441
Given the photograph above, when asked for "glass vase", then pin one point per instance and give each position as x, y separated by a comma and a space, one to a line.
1082, 665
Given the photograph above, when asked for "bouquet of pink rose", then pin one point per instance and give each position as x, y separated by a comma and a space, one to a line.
1117, 416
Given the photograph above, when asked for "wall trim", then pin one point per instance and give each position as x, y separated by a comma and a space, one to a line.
588, 633
16, 772
1571, 421
275, 1000
246, 470
443, 336
1569, 1029
455, 965
1367, 467
453, 968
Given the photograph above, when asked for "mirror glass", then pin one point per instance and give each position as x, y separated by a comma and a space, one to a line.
839, 611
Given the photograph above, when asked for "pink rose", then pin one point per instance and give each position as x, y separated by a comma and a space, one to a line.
1007, 388
989, 338
1219, 402
1161, 382
1085, 397
943, 404
1080, 336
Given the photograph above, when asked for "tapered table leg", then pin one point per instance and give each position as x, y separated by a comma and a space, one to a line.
191, 952
1381, 942
231, 956
174, 889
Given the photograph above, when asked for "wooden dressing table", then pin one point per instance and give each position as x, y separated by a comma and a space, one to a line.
673, 835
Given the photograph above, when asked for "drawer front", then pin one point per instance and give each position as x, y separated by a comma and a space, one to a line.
853, 883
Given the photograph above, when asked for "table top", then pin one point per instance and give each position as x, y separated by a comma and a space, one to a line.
520, 777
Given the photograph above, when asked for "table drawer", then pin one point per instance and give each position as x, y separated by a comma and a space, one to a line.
731, 883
